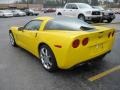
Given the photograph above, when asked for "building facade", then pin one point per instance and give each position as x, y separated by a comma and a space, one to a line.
21, 6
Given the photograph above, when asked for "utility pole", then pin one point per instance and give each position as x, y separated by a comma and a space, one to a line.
27, 3
8, 3
89, 1
62, 2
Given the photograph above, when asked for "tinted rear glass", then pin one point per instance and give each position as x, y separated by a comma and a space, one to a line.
65, 23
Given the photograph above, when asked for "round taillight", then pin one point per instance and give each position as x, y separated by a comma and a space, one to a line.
76, 43
85, 41
109, 35
113, 33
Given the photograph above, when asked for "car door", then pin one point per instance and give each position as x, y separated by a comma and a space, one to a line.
74, 10
67, 10
1, 13
27, 36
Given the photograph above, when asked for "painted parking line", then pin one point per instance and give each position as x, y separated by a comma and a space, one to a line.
118, 32
100, 75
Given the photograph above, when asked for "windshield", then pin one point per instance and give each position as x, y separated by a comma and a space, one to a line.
65, 23
84, 6
97, 7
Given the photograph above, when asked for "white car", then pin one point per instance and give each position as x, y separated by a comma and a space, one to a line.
80, 10
6, 13
18, 13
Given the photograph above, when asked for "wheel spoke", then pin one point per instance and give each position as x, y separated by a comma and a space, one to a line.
45, 52
50, 61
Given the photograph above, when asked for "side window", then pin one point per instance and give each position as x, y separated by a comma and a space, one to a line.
49, 26
53, 26
33, 25
73, 6
68, 6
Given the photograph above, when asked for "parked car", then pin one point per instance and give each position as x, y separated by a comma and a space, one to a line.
106, 14
49, 10
82, 11
116, 10
18, 13
5, 13
63, 42
30, 12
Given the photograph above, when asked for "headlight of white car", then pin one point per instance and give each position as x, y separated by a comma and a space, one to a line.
88, 12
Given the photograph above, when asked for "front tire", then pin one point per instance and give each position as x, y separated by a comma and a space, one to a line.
109, 20
3, 16
36, 15
12, 40
47, 58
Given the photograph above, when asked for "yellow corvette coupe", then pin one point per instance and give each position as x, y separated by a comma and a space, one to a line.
62, 42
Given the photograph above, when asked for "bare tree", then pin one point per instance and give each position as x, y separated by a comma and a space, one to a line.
23, 1
116, 1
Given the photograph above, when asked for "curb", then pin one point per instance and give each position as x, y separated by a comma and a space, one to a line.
107, 23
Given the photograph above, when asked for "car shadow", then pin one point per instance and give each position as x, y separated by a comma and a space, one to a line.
85, 70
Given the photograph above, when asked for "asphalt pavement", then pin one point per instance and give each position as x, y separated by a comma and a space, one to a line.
19, 70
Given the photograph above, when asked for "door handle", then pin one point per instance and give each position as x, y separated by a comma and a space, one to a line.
35, 35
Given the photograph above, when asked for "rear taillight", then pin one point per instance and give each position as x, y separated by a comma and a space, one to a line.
113, 33
76, 43
85, 41
109, 34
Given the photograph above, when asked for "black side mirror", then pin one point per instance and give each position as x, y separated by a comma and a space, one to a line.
20, 29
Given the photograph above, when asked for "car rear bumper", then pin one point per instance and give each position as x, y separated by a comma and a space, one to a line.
71, 64
92, 59
77, 57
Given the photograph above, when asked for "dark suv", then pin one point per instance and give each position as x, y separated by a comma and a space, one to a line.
107, 15
30, 12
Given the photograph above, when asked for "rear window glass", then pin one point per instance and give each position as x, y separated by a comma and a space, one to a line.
66, 23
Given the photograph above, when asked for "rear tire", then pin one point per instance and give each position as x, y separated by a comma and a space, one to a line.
81, 17
47, 58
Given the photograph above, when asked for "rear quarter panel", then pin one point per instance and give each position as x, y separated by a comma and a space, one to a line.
52, 39
67, 56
